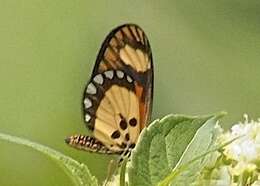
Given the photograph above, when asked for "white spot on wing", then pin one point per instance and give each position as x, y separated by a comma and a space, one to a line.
120, 74
98, 79
109, 74
129, 79
87, 103
87, 117
91, 89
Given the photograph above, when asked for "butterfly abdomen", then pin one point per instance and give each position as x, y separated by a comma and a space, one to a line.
88, 143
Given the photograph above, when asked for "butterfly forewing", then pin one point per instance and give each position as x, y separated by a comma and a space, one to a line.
127, 48
117, 101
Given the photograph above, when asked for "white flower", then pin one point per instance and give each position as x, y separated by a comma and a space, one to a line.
240, 158
246, 147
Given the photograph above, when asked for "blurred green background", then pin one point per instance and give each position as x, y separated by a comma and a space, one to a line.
206, 58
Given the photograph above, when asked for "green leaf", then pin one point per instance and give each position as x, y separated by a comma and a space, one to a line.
123, 173
164, 145
198, 154
78, 172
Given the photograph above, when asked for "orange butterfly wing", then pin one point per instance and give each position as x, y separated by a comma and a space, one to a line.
117, 101
127, 48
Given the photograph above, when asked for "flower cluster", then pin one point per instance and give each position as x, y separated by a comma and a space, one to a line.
238, 162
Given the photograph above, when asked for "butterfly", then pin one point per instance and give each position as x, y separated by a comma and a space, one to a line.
117, 101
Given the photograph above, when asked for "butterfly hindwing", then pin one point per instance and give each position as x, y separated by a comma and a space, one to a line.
114, 116
117, 101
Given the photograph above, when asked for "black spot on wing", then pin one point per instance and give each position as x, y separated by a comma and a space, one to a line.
115, 134
127, 137
133, 122
123, 124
